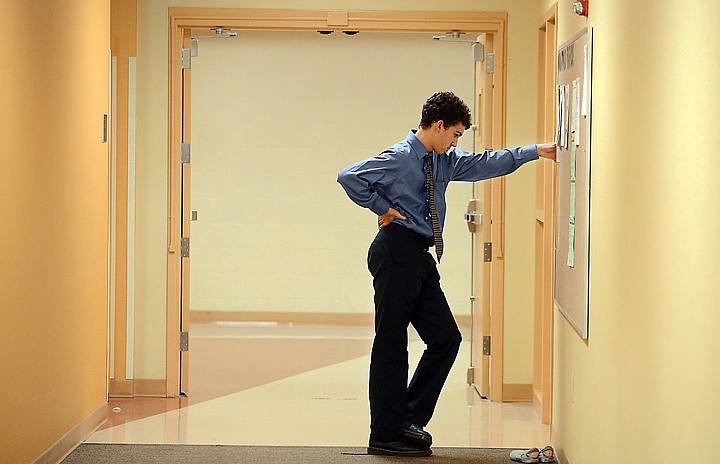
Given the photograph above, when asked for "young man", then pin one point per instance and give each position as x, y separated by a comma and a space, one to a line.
395, 185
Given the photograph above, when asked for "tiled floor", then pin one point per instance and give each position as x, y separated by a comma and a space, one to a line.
265, 384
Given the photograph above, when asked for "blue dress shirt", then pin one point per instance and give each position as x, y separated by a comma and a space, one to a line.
396, 178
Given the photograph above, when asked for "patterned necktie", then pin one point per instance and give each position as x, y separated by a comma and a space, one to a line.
430, 185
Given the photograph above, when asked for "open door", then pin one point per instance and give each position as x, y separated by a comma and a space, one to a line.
478, 224
485, 221
544, 226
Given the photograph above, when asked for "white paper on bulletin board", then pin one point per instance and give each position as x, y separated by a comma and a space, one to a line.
572, 196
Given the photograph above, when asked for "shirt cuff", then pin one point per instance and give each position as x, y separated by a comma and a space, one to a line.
529, 152
380, 206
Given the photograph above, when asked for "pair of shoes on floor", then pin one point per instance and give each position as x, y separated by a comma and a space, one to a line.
416, 442
398, 448
533, 455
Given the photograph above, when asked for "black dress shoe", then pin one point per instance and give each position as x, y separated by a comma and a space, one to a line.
416, 434
397, 448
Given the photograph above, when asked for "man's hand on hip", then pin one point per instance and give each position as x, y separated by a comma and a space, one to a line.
389, 217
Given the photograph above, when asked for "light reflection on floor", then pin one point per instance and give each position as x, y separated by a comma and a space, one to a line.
303, 385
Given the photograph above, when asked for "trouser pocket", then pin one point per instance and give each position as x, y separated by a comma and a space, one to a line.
387, 247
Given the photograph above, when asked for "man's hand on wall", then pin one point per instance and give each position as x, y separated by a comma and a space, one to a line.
547, 150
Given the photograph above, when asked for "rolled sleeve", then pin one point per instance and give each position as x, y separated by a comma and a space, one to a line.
359, 180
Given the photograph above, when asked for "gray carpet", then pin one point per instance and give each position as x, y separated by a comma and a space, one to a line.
220, 454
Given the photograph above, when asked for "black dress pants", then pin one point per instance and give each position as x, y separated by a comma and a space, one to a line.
407, 291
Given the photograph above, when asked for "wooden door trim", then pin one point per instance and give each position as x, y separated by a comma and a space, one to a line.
182, 19
545, 234
185, 218
497, 304
123, 46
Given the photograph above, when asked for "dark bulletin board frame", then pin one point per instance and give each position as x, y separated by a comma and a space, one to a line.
572, 268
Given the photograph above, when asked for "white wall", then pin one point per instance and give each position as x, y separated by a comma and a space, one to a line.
275, 117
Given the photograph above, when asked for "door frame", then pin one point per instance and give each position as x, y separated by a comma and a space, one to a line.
544, 223
181, 20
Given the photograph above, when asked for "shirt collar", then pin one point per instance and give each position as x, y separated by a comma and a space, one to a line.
416, 145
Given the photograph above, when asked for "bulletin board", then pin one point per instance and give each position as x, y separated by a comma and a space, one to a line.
572, 196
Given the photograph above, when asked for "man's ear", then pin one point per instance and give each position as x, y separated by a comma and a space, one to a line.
439, 125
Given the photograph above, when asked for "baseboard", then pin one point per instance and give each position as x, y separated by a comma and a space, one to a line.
121, 388
517, 392
304, 318
557, 445
137, 387
352, 319
71, 440
151, 387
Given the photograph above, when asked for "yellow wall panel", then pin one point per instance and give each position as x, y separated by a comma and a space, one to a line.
645, 382
53, 185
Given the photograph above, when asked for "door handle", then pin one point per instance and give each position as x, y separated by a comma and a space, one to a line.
473, 217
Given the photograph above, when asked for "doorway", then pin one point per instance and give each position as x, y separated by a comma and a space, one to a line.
275, 116
182, 21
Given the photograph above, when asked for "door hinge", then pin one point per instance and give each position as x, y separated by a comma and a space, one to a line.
185, 153
478, 50
195, 47
490, 65
487, 255
185, 58
184, 341
185, 247
486, 345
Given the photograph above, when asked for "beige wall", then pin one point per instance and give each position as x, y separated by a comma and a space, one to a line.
53, 185
151, 231
276, 115
646, 382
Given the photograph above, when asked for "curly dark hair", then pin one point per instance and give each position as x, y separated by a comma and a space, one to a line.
445, 107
